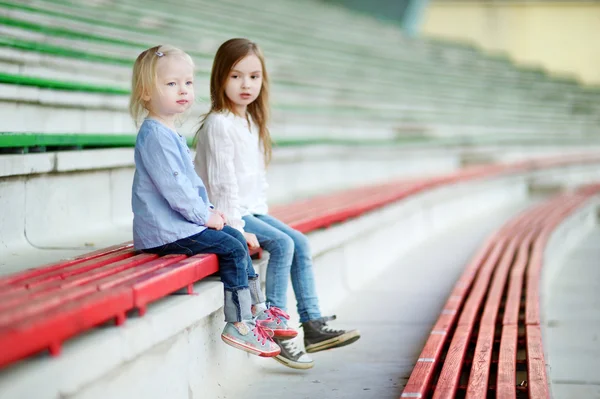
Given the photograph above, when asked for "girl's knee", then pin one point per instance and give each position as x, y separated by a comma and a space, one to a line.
301, 242
285, 244
239, 254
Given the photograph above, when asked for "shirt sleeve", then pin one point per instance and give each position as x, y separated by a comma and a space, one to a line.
162, 159
222, 180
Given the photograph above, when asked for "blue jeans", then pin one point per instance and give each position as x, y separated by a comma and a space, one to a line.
289, 254
235, 264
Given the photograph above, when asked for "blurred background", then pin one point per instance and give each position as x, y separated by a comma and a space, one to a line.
345, 73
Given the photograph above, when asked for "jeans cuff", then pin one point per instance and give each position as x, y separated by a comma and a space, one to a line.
256, 293
237, 305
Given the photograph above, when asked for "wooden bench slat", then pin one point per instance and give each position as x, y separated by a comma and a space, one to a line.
16, 278
536, 364
474, 301
422, 375
447, 383
482, 358
166, 280
49, 330
79, 268
128, 275
43, 304
53, 286
506, 386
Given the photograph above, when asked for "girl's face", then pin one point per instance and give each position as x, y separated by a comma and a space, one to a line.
174, 90
244, 83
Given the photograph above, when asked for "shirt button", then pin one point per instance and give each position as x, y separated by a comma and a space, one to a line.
175, 173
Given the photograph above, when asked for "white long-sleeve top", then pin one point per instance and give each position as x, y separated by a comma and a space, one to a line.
230, 161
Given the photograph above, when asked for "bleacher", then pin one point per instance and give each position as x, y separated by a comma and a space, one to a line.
393, 87
369, 126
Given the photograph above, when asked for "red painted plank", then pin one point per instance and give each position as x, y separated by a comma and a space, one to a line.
322, 204
79, 268
49, 330
536, 364
473, 303
507, 363
482, 358
127, 276
43, 304
342, 213
448, 380
57, 274
420, 379
478, 379
23, 297
17, 278
513, 297
172, 278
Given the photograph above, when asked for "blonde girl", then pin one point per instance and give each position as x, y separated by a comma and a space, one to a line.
171, 208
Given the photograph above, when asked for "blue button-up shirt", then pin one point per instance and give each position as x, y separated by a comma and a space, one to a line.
169, 200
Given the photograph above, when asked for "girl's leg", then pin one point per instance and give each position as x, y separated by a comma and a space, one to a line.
257, 296
240, 331
318, 335
303, 279
281, 251
233, 265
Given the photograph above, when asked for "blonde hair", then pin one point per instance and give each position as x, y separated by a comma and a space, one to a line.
228, 55
143, 78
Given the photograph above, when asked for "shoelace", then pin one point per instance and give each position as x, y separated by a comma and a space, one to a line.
274, 312
325, 327
262, 334
323, 324
291, 347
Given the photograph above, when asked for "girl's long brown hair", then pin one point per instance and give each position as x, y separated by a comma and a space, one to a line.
228, 55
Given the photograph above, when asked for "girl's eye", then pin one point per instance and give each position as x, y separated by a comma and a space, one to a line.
171, 84
189, 83
255, 77
234, 76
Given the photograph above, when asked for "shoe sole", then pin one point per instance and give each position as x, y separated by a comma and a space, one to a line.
294, 365
249, 349
283, 335
336, 342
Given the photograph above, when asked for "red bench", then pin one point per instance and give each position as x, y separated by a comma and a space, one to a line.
487, 340
42, 307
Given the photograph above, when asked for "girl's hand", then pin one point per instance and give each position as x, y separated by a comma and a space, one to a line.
251, 240
218, 212
215, 221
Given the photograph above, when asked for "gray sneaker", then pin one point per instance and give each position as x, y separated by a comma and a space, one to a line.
250, 337
318, 336
292, 356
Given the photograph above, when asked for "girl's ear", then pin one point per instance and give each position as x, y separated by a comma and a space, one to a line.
146, 96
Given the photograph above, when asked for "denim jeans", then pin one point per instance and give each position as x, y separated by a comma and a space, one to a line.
235, 264
289, 254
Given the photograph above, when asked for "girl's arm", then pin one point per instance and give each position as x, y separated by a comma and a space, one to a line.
222, 181
162, 159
